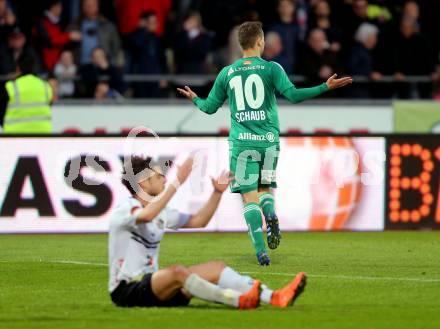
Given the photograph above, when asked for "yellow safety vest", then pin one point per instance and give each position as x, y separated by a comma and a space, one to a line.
29, 110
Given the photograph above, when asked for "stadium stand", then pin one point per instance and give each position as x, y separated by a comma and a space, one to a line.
145, 46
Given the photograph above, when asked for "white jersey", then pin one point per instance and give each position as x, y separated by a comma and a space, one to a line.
134, 248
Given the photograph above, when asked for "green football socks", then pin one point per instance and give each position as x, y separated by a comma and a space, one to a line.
254, 220
267, 203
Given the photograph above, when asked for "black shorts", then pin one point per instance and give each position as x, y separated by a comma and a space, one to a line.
140, 294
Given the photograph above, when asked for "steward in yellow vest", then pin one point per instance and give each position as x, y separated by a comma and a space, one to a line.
28, 108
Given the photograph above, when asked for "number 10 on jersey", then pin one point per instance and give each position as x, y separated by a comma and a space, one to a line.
254, 102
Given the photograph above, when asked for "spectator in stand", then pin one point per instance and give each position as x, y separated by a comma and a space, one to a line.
129, 11
192, 46
15, 47
355, 15
360, 11
379, 13
302, 18
273, 49
65, 72
407, 8
7, 20
49, 36
99, 70
99, 32
361, 60
318, 62
72, 10
412, 57
411, 10
322, 20
147, 55
103, 92
221, 16
288, 31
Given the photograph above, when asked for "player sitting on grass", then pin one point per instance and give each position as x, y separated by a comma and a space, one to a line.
137, 226
250, 85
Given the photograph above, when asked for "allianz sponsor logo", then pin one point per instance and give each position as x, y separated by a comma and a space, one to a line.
252, 137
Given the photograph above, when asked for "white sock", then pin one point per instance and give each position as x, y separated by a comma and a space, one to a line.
242, 283
205, 290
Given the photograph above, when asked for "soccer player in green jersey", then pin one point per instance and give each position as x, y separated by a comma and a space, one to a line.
250, 84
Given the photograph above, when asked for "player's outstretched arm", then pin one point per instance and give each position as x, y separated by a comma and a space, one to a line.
149, 212
209, 105
204, 215
215, 99
297, 95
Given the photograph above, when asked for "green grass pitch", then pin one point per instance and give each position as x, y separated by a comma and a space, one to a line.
356, 280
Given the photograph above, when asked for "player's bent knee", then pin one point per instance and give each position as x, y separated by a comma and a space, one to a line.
218, 264
251, 197
179, 272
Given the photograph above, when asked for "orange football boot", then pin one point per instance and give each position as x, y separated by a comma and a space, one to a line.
286, 296
250, 299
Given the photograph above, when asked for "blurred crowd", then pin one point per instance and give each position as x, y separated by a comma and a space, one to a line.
88, 48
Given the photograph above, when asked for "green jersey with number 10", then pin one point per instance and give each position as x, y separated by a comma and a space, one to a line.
250, 84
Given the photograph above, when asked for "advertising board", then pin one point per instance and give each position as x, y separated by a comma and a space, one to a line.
61, 184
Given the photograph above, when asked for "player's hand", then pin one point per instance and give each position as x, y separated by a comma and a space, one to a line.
333, 83
184, 170
221, 183
187, 92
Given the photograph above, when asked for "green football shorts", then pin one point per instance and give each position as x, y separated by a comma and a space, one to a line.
253, 167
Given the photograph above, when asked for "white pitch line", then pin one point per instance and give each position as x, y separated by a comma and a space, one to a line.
342, 277
291, 275
384, 278
74, 262
349, 277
